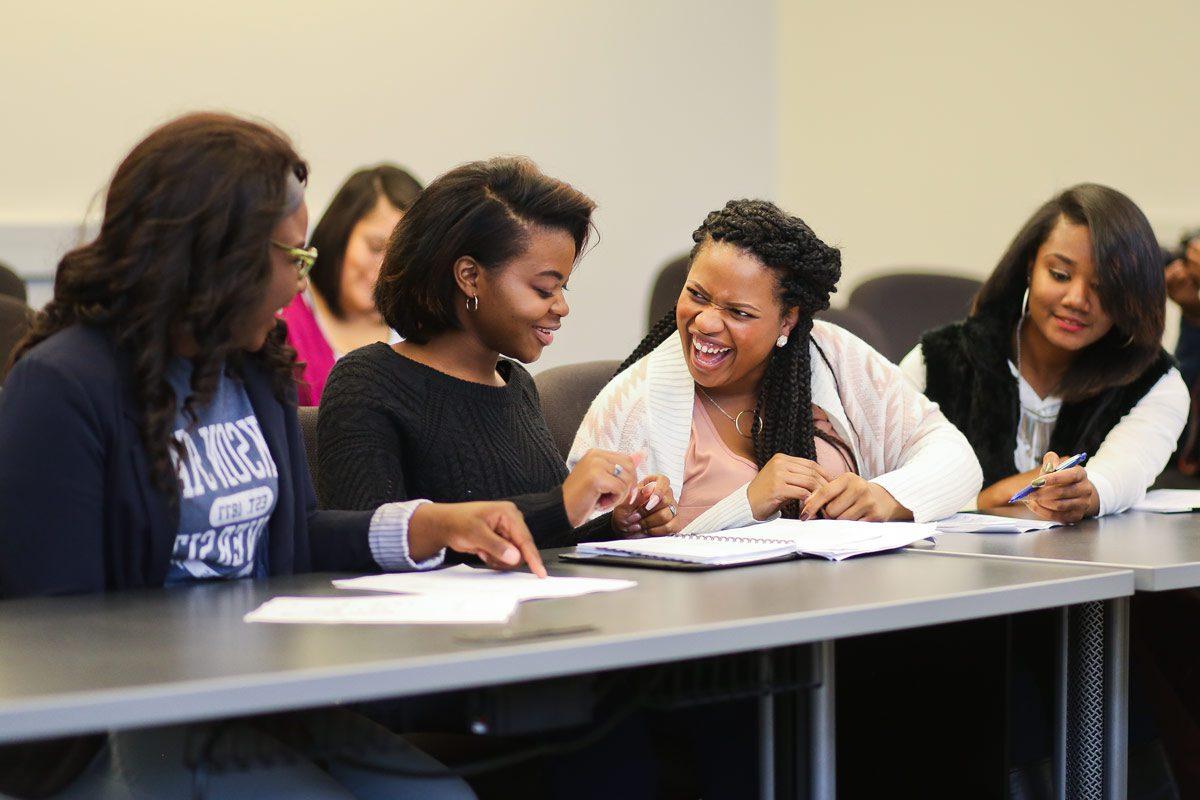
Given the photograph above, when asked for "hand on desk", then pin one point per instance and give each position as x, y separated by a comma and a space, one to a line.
495, 531
651, 509
1067, 496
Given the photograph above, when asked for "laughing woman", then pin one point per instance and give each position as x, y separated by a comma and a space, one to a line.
1061, 355
750, 408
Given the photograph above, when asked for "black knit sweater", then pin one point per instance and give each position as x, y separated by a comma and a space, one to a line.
393, 429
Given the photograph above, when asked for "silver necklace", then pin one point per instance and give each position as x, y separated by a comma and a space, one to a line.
755, 423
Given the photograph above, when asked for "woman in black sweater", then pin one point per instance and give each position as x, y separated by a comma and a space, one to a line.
475, 270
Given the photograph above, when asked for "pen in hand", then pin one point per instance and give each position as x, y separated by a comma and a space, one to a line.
1031, 488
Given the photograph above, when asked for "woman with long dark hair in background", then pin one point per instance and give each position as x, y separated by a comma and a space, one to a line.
338, 314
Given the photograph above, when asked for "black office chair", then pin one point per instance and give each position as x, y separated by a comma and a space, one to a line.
566, 392
308, 428
11, 284
667, 287
858, 323
15, 318
906, 304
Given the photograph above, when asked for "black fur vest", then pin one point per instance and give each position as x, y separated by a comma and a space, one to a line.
967, 375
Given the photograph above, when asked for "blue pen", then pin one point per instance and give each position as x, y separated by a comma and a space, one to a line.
1030, 489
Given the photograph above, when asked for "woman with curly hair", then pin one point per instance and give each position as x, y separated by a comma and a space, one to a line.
751, 408
148, 429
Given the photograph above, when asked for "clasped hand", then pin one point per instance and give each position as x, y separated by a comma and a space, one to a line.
847, 496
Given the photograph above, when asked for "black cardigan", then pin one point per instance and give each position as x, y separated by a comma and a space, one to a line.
79, 511
393, 429
967, 375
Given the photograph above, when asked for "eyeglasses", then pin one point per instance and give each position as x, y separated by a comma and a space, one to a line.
304, 259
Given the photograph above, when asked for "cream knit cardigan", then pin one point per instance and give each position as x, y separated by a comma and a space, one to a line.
899, 438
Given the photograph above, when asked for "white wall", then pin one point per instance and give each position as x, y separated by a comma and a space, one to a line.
660, 110
926, 133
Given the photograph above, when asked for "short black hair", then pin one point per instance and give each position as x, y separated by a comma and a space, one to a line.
482, 210
1133, 289
354, 200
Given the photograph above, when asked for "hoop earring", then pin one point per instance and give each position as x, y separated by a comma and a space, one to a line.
473, 303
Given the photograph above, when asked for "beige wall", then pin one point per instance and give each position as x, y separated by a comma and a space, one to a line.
631, 101
907, 133
925, 133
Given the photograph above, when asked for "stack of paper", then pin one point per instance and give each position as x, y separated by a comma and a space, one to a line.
989, 523
459, 594
1170, 501
409, 609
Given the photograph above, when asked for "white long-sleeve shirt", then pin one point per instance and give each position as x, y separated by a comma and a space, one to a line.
899, 438
1133, 453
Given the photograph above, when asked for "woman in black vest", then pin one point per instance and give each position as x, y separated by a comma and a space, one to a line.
1061, 355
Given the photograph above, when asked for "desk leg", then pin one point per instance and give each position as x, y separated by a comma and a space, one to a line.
766, 731
1093, 701
822, 742
1116, 700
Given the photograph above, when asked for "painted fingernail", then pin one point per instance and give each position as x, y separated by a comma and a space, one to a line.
1038, 483
652, 502
511, 556
634, 518
804, 516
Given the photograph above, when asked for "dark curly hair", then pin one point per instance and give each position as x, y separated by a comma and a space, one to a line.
806, 271
183, 250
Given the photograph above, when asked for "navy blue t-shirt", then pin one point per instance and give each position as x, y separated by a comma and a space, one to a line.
228, 484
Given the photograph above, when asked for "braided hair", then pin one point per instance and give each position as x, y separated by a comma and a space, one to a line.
806, 271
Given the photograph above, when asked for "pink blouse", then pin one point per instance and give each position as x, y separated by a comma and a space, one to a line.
711, 471
312, 349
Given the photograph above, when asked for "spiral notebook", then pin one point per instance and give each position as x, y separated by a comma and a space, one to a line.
831, 539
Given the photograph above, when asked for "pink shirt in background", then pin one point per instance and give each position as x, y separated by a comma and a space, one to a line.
312, 349
711, 471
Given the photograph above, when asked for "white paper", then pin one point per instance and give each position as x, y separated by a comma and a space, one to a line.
462, 581
990, 523
407, 609
837, 539
1170, 501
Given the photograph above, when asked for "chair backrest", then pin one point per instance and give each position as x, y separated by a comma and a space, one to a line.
11, 284
15, 317
667, 286
566, 392
909, 303
308, 428
858, 323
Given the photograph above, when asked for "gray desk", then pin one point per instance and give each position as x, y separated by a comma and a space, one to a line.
136, 659
1163, 551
